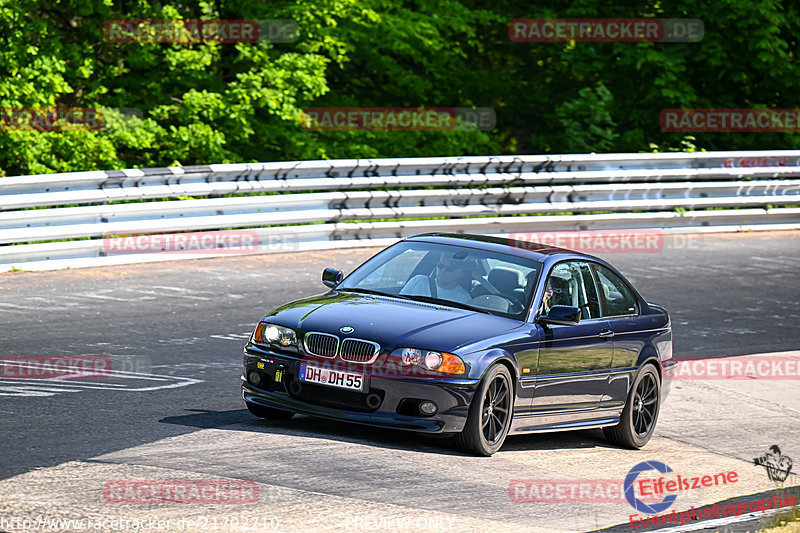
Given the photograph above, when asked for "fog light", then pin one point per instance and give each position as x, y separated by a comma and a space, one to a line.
428, 408
373, 401
254, 377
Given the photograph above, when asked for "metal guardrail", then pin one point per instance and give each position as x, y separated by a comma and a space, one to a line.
319, 204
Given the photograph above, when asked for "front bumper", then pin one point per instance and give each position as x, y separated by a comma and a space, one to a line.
452, 396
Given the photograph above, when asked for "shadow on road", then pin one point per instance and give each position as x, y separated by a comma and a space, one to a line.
206, 419
564, 440
306, 426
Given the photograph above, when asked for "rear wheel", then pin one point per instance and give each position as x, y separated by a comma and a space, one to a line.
268, 412
638, 420
489, 414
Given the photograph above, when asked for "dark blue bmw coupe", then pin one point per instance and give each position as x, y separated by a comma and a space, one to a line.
472, 336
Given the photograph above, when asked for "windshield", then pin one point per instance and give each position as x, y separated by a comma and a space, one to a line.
485, 281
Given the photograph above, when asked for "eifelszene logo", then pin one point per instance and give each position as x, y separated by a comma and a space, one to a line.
630, 495
777, 465
666, 487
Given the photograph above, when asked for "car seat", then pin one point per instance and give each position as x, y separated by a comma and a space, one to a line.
508, 281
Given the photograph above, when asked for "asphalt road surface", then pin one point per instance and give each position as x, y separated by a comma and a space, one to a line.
175, 331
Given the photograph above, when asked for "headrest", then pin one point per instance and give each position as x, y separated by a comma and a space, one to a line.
506, 278
561, 272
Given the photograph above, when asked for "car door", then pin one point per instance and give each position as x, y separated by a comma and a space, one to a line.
574, 361
619, 306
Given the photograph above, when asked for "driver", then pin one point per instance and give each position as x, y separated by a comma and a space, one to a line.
444, 282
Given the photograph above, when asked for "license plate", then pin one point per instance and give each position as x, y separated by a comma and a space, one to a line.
332, 378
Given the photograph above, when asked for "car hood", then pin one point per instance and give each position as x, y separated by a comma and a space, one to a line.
390, 321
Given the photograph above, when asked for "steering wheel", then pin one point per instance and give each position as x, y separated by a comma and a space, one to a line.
515, 306
491, 302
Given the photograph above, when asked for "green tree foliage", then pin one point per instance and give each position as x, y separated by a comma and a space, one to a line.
212, 102
586, 121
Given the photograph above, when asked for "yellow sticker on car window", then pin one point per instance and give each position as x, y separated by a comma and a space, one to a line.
278, 376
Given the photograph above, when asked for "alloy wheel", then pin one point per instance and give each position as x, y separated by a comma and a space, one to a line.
495, 409
645, 405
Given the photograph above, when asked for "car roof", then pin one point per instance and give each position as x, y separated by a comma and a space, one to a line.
530, 250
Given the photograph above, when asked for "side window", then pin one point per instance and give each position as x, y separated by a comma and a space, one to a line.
572, 284
617, 298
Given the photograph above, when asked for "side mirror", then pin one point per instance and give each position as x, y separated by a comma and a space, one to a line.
563, 315
332, 277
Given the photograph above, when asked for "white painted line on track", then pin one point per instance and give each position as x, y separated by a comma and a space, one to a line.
145, 291
52, 386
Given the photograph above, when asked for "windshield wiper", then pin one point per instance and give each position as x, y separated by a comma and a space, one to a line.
373, 291
411, 297
432, 300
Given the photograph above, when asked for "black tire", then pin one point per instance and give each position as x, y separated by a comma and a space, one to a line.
268, 413
486, 429
638, 420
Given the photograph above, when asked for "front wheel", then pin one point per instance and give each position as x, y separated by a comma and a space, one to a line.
638, 420
489, 414
269, 413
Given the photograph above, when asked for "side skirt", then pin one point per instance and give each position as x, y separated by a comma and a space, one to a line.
542, 423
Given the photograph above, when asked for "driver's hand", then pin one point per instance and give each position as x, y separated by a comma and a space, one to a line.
547, 295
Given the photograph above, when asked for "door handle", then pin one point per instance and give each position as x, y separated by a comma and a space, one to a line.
606, 334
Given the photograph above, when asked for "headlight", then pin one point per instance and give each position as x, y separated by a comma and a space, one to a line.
411, 356
444, 362
272, 334
433, 360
